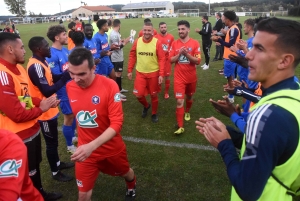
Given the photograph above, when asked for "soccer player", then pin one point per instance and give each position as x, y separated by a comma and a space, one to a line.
231, 38
78, 39
141, 33
166, 39
78, 25
15, 183
117, 57
185, 53
18, 110
206, 41
59, 64
97, 104
105, 67
41, 86
148, 56
90, 44
71, 30
94, 24
268, 162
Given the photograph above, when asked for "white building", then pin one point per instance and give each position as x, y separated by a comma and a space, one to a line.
85, 11
149, 6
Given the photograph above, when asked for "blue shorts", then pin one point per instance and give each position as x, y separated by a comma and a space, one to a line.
242, 73
105, 69
229, 68
65, 107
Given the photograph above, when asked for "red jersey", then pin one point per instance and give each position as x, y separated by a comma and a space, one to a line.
141, 33
97, 108
12, 107
14, 178
78, 27
166, 42
184, 70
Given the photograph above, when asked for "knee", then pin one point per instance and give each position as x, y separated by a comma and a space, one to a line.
84, 196
68, 119
129, 175
180, 103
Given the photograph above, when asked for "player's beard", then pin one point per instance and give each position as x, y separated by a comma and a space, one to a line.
183, 35
89, 36
163, 32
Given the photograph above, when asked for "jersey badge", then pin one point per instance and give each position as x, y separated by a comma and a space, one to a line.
51, 64
86, 119
79, 183
95, 100
117, 97
10, 168
189, 49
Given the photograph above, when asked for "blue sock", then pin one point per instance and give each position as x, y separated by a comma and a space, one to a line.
68, 133
74, 126
230, 96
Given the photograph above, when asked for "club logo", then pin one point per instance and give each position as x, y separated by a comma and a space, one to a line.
79, 183
9, 168
95, 100
86, 119
117, 97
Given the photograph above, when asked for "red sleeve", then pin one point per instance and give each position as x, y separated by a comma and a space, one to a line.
12, 107
12, 150
172, 50
36, 101
161, 55
132, 57
141, 33
154, 32
115, 111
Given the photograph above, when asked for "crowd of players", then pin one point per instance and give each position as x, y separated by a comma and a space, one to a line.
85, 80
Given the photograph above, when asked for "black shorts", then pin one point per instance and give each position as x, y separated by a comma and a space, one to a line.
118, 66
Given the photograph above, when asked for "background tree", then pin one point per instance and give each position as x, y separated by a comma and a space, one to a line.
16, 6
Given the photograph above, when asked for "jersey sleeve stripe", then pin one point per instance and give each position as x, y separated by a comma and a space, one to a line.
38, 70
4, 78
254, 122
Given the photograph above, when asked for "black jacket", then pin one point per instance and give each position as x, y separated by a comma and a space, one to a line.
206, 32
219, 25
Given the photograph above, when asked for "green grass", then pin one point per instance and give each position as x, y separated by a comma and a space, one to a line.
163, 173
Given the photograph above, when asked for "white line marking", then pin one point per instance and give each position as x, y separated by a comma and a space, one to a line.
166, 143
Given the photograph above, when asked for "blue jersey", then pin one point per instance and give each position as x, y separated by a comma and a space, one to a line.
58, 64
90, 44
105, 66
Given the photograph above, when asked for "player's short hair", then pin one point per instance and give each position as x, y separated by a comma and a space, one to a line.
79, 55
287, 32
161, 23
109, 22
116, 22
35, 42
250, 22
77, 38
71, 25
205, 17
229, 14
7, 38
219, 14
101, 22
95, 17
55, 30
183, 22
148, 24
147, 20
88, 24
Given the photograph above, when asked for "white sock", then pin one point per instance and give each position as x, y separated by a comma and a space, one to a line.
54, 173
58, 163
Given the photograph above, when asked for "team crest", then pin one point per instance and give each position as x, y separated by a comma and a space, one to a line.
95, 100
189, 49
10, 168
117, 97
51, 64
165, 47
86, 119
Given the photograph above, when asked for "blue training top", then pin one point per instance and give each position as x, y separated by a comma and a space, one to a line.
58, 64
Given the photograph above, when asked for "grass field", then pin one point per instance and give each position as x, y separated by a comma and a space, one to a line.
164, 173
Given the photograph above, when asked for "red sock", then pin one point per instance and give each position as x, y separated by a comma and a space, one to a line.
143, 101
154, 102
179, 116
131, 184
167, 86
188, 105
